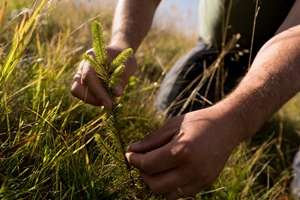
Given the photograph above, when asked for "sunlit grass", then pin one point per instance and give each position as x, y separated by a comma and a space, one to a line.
49, 142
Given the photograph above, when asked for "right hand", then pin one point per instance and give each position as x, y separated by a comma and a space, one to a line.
89, 88
188, 153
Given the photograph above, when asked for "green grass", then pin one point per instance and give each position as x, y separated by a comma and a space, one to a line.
49, 141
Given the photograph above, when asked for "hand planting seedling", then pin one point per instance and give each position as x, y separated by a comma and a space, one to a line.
110, 74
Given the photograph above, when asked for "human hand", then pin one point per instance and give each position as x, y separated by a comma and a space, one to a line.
187, 153
89, 88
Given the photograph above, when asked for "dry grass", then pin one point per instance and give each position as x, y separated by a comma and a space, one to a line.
49, 147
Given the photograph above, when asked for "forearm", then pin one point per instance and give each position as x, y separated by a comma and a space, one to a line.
132, 21
273, 79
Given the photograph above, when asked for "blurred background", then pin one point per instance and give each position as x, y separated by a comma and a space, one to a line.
178, 15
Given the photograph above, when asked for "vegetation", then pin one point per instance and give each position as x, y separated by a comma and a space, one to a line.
110, 73
53, 146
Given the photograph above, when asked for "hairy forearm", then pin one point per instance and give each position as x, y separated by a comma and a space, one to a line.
272, 80
132, 21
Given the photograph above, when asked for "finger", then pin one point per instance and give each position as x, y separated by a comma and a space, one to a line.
152, 141
168, 181
94, 84
155, 161
187, 192
130, 68
81, 92
158, 138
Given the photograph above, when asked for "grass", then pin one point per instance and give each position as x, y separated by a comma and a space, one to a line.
51, 145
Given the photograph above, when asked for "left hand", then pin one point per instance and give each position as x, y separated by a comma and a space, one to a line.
187, 153
89, 88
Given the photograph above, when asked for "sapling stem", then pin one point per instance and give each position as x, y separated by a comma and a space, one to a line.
110, 74
121, 144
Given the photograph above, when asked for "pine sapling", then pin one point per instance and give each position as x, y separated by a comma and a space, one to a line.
110, 74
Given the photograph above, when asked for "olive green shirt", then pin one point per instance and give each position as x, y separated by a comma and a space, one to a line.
219, 17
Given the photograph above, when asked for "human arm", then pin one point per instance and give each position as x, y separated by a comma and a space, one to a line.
132, 21
189, 151
275, 86
272, 80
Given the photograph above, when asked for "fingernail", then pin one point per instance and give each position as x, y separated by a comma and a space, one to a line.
107, 105
128, 155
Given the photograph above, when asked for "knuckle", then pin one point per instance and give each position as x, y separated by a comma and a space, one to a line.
144, 166
74, 89
89, 72
85, 68
84, 76
182, 152
87, 75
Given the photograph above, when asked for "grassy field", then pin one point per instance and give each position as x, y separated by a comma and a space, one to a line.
49, 141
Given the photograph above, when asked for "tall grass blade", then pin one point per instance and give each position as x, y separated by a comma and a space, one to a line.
3, 9
22, 37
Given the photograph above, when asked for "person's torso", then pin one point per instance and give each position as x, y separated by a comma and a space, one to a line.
237, 16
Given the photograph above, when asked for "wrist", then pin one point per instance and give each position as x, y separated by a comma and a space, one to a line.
120, 41
118, 45
223, 125
237, 119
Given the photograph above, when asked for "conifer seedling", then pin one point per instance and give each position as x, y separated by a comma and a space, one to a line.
110, 74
